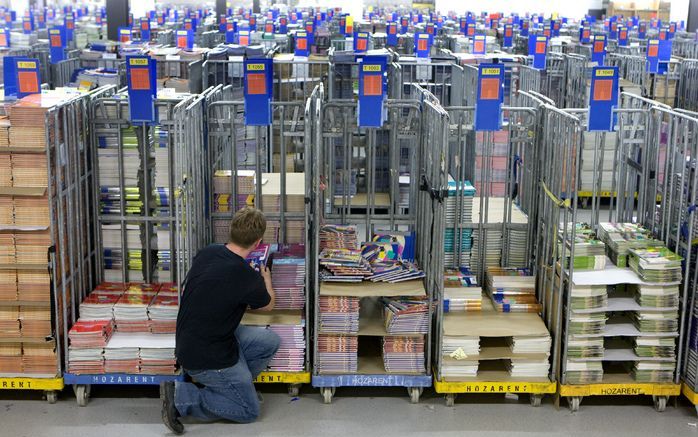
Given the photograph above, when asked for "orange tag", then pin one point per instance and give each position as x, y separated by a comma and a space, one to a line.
256, 84
373, 85
55, 40
603, 90
489, 89
479, 46
653, 51
540, 47
182, 42
3, 39
598, 46
140, 79
422, 45
302, 43
28, 82
27, 25
244, 40
361, 44
144, 25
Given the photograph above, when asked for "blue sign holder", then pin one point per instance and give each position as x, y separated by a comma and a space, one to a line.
392, 35
622, 36
490, 97
598, 49
302, 45
361, 42
603, 99
185, 39
585, 35
479, 45
508, 38
652, 54
538, 49
258, 91
145, 29
27, 76
422, 45
142, 88
371, 110
57, 43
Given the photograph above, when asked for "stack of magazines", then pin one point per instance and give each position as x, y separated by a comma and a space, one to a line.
291, 354
512, 290
338, 237
405, 316
584, 372
339, 314
621, 237
653, 371
588, 297
656, 264
337, 353
589, 251
344, 265
461, 292
157, 361
162, 313
403, 354
91, 334
288, 278
457, 352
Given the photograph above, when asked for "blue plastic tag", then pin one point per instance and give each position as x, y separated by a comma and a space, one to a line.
258, 91
603, 98
538, 49
371, 110
142, 88
490, 96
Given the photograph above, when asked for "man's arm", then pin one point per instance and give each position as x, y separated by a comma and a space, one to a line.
266, 275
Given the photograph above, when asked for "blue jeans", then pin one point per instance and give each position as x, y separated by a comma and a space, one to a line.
229, 393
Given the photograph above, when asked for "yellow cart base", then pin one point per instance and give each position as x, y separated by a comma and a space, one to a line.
660, 392
293, 379
535, 389
690, 395
51, 386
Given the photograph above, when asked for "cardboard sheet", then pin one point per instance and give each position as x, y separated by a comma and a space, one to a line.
276, 317
494, 324
378, 289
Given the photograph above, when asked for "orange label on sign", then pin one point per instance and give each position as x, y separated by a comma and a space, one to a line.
27, 25
507, 33
144, 25
603, 90
540, 47
244, 40
187, 26
653, 51
361, 44
28, 82
269, 28
125, 38
489, 89
422, 45
55, 40
479, 46
546, 32
302, 44
256, 84
471, 31
182, 42
140, 79
373, 85
3, 39
598, 46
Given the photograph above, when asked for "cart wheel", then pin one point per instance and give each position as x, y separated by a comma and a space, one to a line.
660, 403
82, 394
585, 202
415, 393
536, 400
327, 393
573, 402
294, 389
450, 399
51, 396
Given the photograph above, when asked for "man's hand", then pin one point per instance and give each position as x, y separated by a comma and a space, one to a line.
266, 275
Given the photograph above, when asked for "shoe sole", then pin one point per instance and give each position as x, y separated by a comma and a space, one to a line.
163, 413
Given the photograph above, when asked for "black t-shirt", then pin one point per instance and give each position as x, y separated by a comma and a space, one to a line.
219, 288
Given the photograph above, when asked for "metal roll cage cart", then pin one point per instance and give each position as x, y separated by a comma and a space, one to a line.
412, 139
70, 259
636, 184
267, 150
466, 146
180, 126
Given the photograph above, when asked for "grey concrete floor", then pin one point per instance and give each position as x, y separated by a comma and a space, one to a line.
135, 412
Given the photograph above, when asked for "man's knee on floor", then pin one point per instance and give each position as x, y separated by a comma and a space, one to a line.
252, 411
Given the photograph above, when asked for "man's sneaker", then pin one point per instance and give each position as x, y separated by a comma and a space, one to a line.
170, 416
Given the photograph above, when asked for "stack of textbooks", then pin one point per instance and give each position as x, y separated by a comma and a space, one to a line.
589, 251
405, 316
657, 296
291, 354
659, 265
131, 311
591, 347
86, 360
157, 361
91, 334
338, 237
656, 321
337, 353
528, 368
584, 324
461, 292
288, 280
653, 371
403, 354
122, 359
621, 237
162, 313
584, 372
222, 190
339, 314
457, 352
512, 290
458, 210
653, 347
99, 306
588, 297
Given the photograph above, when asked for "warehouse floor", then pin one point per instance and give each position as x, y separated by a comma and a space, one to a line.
135, 412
